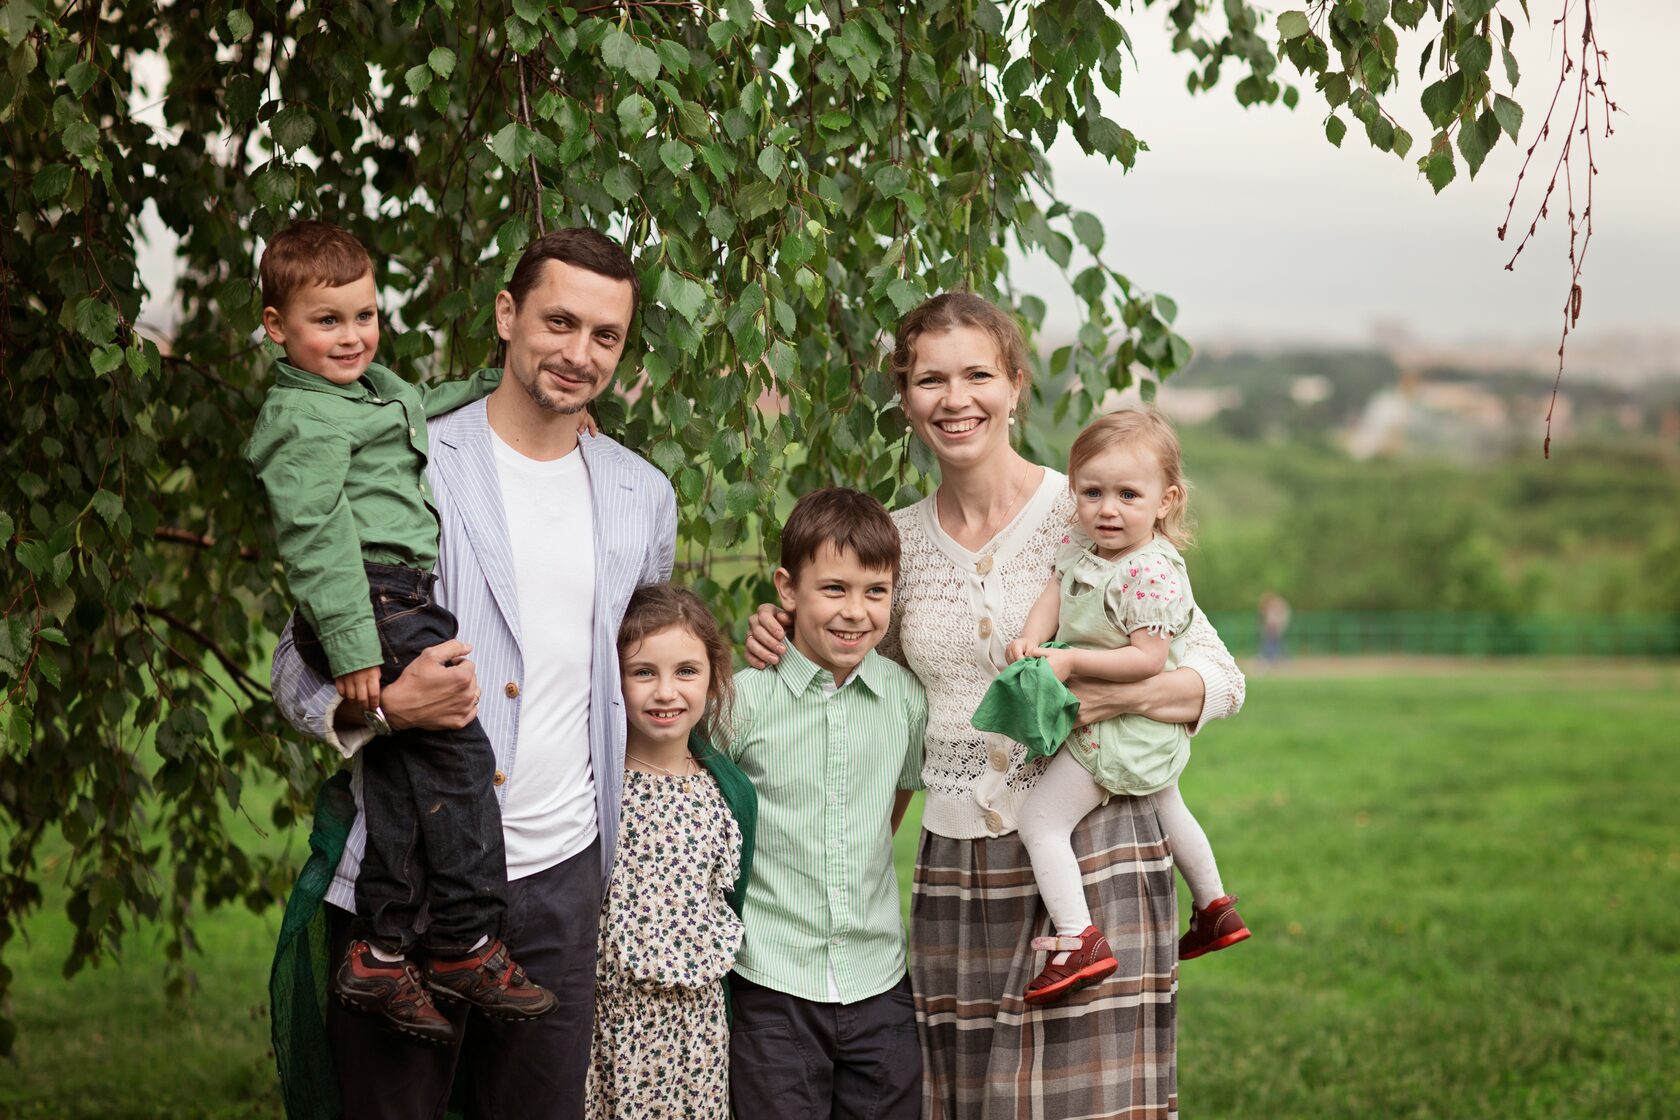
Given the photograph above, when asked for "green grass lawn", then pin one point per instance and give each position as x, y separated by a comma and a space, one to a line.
1465, 886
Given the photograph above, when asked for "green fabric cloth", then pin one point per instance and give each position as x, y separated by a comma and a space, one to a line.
344, 467
1027, 703
297, 985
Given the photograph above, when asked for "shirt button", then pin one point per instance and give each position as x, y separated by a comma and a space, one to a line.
511, 689
994, 822
499, 778
411, 431
1000, 759
839, 941
985, 627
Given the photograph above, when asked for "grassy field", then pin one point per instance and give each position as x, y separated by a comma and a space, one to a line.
1464, 880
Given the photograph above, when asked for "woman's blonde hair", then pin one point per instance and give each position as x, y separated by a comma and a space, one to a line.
1146, 428
661, 605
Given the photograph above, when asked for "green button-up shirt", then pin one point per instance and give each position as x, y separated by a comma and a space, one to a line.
827, 763
345, 471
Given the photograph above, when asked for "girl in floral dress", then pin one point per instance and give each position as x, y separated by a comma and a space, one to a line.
671, 925
1119, 597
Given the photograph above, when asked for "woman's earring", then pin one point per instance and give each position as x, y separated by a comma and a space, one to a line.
1011, 419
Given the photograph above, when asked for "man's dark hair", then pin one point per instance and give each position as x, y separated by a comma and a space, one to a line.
850, 520
582, 248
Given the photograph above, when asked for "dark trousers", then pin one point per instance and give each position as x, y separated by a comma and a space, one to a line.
434, 828
507, 1071
796, 1059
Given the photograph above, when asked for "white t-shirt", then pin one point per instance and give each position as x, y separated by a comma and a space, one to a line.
548, 814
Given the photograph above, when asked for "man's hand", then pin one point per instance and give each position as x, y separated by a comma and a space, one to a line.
438, 691
360, 688
766, 633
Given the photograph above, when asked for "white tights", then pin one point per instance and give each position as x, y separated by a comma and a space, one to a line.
1060, 801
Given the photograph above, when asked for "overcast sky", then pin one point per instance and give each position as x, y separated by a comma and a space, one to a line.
1260, 229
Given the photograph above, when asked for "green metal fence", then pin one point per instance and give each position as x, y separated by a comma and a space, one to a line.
1321, 633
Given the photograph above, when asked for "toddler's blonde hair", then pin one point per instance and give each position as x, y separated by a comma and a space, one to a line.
1146, 428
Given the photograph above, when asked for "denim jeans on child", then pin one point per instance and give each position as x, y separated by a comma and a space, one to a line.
434, 828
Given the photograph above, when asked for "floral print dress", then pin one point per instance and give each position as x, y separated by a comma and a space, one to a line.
668, 937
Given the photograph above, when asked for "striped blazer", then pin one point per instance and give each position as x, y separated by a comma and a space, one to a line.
635, 530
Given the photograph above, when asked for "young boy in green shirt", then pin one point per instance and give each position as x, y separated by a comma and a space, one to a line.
340, 446
832, 740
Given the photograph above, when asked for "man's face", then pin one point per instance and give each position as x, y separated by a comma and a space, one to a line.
840, 608
565, 338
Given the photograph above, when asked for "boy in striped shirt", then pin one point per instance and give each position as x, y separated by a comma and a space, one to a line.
832, 738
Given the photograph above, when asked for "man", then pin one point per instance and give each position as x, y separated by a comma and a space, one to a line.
517, 488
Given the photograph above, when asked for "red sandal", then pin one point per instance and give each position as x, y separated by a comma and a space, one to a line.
1088, 961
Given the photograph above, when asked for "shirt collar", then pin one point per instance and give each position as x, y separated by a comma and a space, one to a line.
796, 671
290, 377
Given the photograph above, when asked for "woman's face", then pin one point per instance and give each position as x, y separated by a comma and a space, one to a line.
958, 396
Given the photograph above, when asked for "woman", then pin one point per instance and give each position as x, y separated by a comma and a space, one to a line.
977, 552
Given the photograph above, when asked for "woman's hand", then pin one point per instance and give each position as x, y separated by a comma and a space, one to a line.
1171, 697
767, 629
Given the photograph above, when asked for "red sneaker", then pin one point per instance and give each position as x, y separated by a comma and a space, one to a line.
1088, 961
1216, 927
490, 981
390, 990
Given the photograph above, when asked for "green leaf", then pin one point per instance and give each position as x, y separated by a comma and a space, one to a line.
81, 77
1473, 146
643, 64
96, 321
442, 61
1441, 99
772, 162
1438, 167
417, 79
1509, 114
1088, 228
51, 182
681, 294
107, 358
1292, 25
81, 138
107, 505
1402, 142
239, 25
292, 127
5, 527
1511, 71
636, 115
1474, 54
741, 499
1335, 129
676, 156
891, 180
513, 143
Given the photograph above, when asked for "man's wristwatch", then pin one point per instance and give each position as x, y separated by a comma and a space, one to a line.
376, 721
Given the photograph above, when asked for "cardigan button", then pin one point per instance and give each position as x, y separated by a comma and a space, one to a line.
994, 822
985, 627
983, 566
999, 758
511, 689
500, 778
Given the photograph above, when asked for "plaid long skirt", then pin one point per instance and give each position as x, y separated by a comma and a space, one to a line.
1107, 1051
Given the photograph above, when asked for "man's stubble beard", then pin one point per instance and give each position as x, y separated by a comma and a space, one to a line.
547, 403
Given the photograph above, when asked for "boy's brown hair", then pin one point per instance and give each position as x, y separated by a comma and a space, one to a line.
306, 254
658, 606
850, 520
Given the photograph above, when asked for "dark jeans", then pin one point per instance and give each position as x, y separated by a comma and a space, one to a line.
506, 1070
434, 829
796, 1059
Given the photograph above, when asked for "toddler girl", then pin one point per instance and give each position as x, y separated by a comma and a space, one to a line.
1119, 596
670, 925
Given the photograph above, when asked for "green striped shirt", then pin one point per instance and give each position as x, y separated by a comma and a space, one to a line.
822, 911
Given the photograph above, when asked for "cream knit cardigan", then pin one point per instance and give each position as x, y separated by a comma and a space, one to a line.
954, 612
